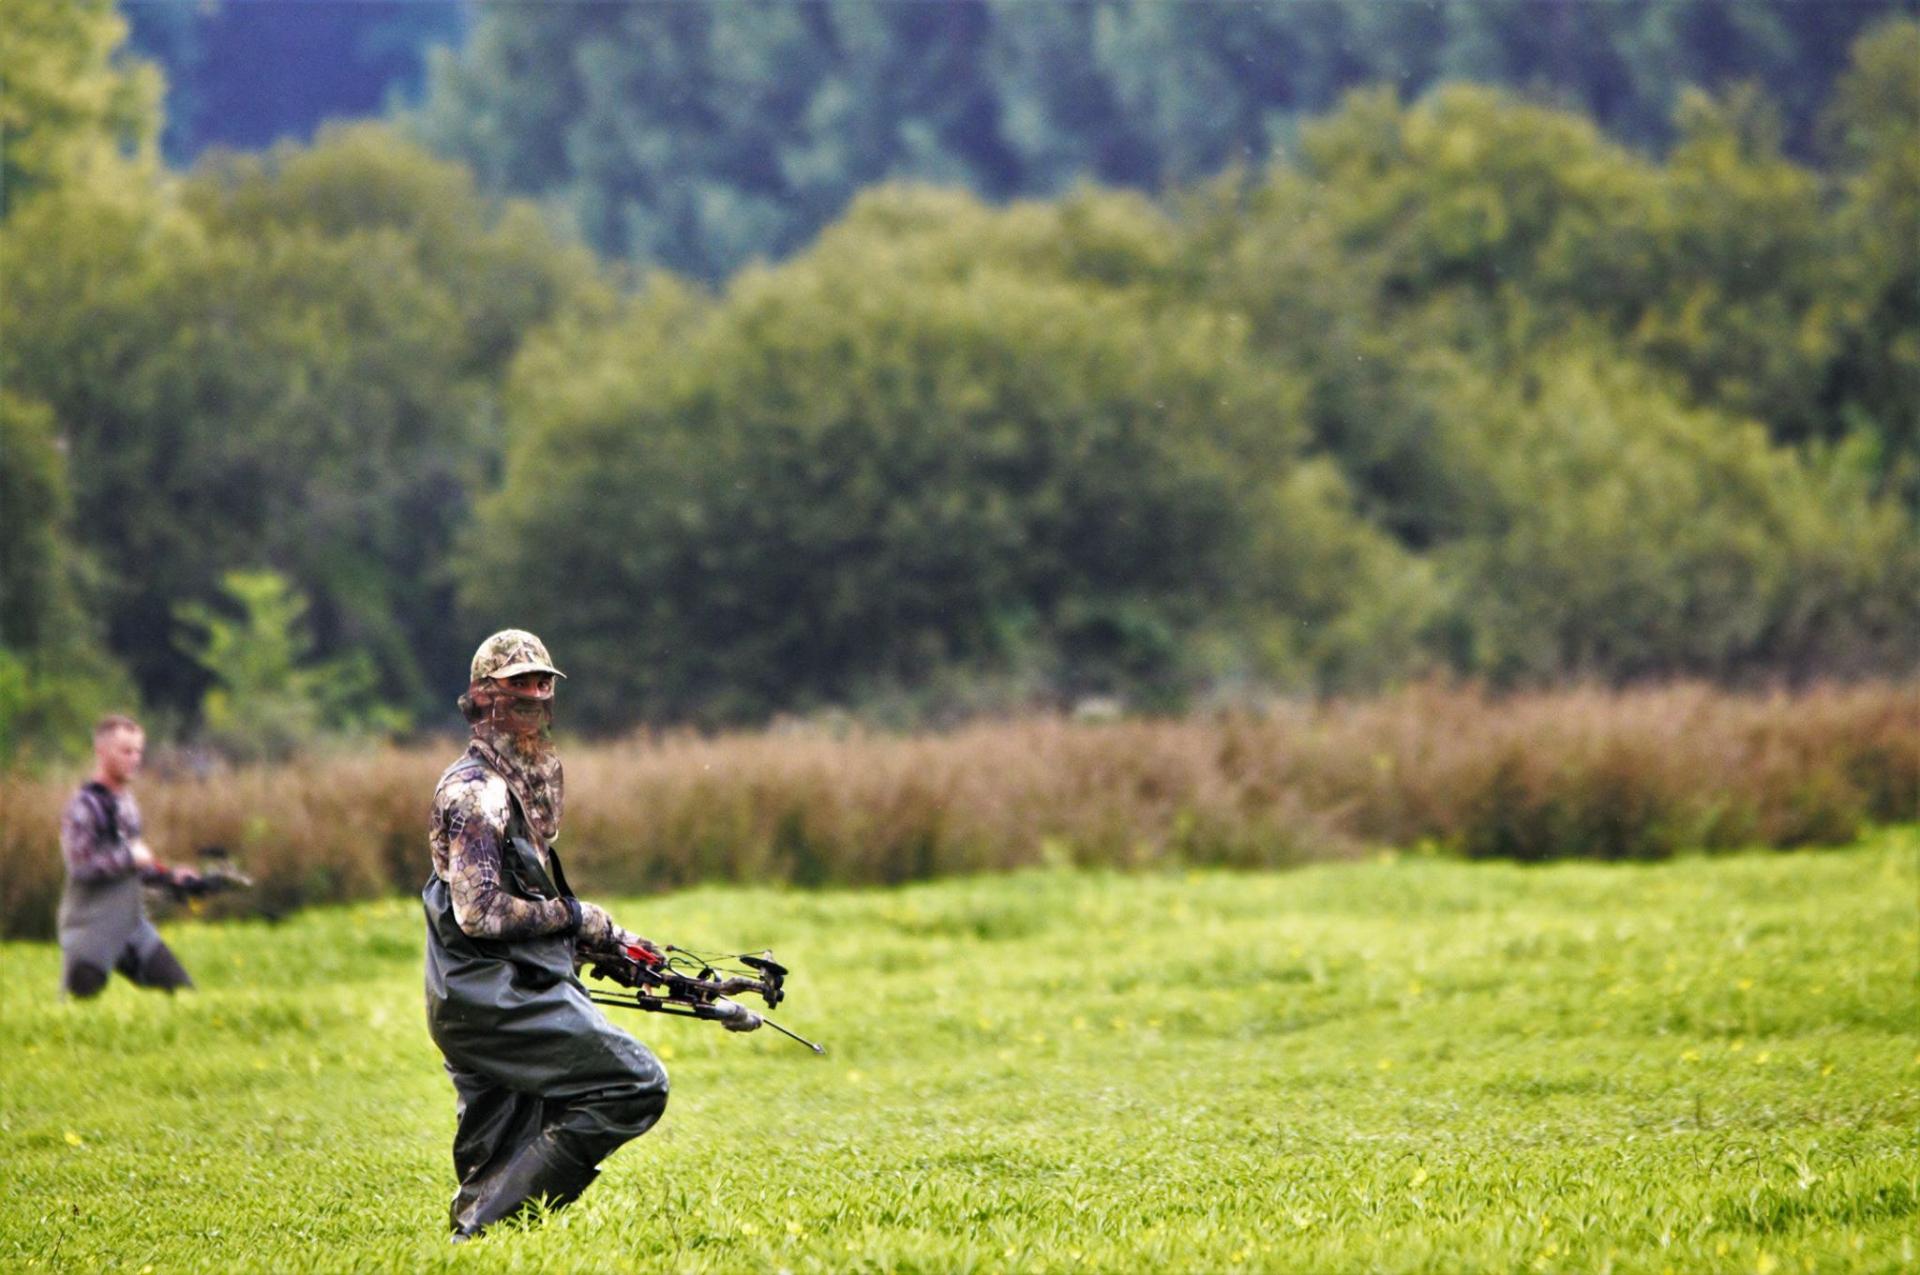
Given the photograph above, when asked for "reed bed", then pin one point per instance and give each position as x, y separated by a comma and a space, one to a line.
1581, 773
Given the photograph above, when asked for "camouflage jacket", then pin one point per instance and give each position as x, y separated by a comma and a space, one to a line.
476, 810
98, 830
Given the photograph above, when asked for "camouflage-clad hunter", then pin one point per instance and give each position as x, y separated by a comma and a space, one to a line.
547, 1087
103, 918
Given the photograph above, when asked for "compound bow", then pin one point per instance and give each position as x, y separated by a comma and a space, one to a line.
690, 985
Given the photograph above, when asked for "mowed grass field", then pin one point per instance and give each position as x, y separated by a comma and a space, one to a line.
1400, 1065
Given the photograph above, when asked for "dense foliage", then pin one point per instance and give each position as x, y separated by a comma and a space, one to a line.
1457, 383
288, 360
71, 114
1467, 385
703, 135
947, 437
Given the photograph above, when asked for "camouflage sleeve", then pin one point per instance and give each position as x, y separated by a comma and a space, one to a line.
89, 854
476, 817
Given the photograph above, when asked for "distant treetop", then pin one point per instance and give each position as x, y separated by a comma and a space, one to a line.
700, 136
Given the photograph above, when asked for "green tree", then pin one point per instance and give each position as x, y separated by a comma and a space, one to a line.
704, 136
891, 457
1468, 224
701, 136
294, 366
1621, 534
73, 110
1873, 385
55, 679
1476, 224
1741, 299
1536, 356
77, 121
270, 698
36, 586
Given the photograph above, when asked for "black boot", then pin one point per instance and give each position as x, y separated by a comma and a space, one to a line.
539, 1169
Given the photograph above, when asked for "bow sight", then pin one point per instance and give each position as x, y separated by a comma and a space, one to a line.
690, 985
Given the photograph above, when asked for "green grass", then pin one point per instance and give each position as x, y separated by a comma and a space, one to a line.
1710, 1064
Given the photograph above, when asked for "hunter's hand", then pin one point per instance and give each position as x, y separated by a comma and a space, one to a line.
598, 933
142, 857
736, 1017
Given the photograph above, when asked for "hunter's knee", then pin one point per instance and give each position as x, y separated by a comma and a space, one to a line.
84, 980
600, 1122
643, 1108
161, 968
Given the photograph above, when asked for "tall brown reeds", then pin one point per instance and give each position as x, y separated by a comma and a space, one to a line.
1573, 773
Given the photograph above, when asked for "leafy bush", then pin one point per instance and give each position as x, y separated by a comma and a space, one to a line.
271, 700
947, 437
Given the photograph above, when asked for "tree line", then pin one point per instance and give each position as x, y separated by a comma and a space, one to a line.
1460, 383
700, 136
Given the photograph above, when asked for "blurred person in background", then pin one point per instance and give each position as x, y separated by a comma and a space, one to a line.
547, 1087
103, 917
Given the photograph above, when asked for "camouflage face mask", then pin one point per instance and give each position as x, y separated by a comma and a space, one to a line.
528, 762
509, 710
524, 714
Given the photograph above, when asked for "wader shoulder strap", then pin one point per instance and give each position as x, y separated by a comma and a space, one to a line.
106, 809
475, 761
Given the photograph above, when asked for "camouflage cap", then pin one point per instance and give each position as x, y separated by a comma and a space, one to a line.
509, 653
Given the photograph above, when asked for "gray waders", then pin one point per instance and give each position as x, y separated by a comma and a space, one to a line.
104, 927
547, 1086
